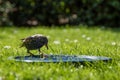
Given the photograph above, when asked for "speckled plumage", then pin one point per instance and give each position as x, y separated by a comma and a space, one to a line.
34, 42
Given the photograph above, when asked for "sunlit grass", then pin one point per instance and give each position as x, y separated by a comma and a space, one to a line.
72, 41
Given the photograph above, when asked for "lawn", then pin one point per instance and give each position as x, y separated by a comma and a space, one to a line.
73, 41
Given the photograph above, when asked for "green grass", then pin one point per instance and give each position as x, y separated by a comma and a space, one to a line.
72, 41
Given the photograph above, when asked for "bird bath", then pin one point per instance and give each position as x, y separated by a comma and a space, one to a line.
60, 58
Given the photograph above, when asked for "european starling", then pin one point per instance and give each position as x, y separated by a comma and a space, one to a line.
35, 42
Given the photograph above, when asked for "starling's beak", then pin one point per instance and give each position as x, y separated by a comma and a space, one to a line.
22, 40
46, 45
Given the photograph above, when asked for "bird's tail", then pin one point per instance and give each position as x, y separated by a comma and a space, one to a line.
21, 46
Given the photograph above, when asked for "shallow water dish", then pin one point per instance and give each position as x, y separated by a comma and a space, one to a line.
61, 58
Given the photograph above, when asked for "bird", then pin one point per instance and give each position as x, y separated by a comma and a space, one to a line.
35, 42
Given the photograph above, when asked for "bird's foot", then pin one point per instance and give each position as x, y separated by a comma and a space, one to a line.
31, 54
43, 55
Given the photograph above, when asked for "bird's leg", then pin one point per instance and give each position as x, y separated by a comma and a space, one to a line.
28, 51
40, 53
